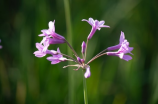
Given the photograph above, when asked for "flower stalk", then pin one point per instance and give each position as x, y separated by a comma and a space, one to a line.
85, 89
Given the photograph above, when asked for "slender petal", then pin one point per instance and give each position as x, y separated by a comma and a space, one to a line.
122, 37
51, 26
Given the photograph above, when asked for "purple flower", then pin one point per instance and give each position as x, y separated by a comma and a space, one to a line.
95, 25
83, 47
41, 53
122, 39
56, 58
124, 49
0, 45
87, 73
51, 32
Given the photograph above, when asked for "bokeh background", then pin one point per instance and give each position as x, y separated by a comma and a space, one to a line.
26, 79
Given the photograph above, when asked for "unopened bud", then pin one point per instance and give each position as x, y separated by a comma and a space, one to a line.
83, 47
79, 59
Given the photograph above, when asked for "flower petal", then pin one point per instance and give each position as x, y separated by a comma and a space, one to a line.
127, 57
101, 23
39, 54
122, 37
53, 60
39, 46
91, 21
51, 26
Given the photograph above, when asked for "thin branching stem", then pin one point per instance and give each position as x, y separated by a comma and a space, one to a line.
71, 48
96, 57
85, 90
99, 53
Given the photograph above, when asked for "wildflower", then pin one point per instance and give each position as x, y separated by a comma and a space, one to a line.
56, 58
51, 32
50, 37
95, 25
123, 49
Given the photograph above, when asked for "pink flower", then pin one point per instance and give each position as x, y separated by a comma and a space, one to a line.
51, 32
123, 49
56, 58
95, 25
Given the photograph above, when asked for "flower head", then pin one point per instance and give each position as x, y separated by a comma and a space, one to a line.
123, 49
51, 32
56, 58
95, 25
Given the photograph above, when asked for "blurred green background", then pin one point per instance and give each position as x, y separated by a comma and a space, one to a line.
26, 79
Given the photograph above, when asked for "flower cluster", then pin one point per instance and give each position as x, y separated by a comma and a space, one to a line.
0, 45
51, 37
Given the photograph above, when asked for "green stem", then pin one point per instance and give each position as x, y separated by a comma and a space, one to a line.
69, 39
85, 90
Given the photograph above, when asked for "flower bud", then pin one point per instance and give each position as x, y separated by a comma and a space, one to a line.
83, 47
79, 59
